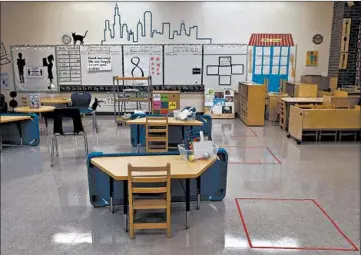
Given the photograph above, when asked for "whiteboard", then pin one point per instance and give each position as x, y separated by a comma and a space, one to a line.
35, 68
99, 63
179, 63
224, 66
144, 60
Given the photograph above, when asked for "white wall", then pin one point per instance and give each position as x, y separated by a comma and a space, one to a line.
226, 22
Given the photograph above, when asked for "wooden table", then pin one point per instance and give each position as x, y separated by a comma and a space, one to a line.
41, 110
6, 119
17, 120
299, 100
117, 169
55, 100
171, 121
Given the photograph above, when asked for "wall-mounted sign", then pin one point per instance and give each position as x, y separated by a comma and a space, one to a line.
35, 71
272, 40
312, 58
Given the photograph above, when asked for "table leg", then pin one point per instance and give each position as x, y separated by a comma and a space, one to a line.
46, 123
198, 192
111, 193
138, 138
187, 201
125, 194
18, 125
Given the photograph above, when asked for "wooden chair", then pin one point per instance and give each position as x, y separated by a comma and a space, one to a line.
282, 113
323, 106
156, 134
340, 93
342, 106
149, 175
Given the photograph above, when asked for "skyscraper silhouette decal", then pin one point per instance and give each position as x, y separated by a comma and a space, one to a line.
121, 32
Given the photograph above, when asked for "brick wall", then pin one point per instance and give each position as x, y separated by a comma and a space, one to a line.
338, 11
342, 10
358, 61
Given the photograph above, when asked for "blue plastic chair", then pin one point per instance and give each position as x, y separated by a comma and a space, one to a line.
82, 101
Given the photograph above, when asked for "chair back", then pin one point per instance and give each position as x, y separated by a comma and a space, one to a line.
3, 104
81, 99
340, 93
156, 134
158, 177
68, 112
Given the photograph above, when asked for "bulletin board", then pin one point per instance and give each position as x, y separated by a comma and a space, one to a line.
219, 103
99, 63
144, 60
34, 68
183, 64
224, 65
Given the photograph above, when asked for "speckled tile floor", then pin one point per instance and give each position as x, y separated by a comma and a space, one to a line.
46, 210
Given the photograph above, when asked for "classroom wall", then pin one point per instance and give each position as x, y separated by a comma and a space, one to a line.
226, 22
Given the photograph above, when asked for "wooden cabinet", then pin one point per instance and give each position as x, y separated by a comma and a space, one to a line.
301, 89
337, 120
251, 97
323, 82
164, 102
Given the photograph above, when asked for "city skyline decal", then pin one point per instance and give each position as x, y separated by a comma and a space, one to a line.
120, 32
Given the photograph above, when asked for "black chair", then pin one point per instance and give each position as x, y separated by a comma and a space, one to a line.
76, 130
3, 104
82, 101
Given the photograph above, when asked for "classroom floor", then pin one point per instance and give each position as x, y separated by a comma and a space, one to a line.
314, 188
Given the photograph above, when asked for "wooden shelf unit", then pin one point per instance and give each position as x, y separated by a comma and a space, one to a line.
301, 89
251, 97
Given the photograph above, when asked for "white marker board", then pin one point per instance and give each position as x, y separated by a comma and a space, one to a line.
182, 64
99, 63
33, 67
142, 61
225, 65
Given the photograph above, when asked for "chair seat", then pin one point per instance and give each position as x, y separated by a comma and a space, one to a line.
86, 110
143, 204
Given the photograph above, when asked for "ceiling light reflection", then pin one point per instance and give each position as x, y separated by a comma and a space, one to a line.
72, 238
233, 241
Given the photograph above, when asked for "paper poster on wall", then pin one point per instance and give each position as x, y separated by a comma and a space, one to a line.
69, 65
35, 71
312, 58
99, 63
4, 80
34, 68
144, 61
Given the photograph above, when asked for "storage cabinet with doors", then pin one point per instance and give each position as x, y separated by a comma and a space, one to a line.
164, 102
251, 97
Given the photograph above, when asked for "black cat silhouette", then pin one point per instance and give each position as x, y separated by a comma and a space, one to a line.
79, 38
